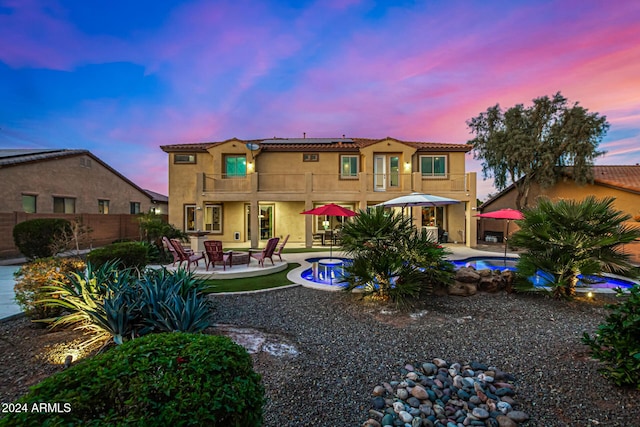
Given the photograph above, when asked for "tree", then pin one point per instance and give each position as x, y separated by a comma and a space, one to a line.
569, 238
522, 146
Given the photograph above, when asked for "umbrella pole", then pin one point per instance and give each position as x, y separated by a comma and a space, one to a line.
505, 243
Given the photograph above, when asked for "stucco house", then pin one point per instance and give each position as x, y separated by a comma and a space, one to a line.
66, 181
250, 190
621, 182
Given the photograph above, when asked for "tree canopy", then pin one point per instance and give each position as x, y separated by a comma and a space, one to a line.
536, 144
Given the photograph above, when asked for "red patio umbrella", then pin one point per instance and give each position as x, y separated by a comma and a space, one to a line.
330, 210
508, 214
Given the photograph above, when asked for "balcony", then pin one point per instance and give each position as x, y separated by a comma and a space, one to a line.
303, 183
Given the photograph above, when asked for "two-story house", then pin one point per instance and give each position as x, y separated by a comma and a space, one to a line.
251, 190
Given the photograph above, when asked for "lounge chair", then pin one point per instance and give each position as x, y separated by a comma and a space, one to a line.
280, 247
213, 249
184, 255
261, 254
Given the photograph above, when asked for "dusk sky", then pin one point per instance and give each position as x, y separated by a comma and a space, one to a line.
121, 78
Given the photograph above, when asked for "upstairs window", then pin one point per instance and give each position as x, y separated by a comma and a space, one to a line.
184, 158
64, 205
349, 167
235, 166
189, 218
29, 203
103, 207
433, 166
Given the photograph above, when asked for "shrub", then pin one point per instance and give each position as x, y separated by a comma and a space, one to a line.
35, 238
616, 341
162, 379
129, 254
391, 259
108, 301
567, 238
31, 279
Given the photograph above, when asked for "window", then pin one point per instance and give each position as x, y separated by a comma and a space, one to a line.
64, 205
433, 166
190, 218
348, 167
235, 166
310, 157
29, 203
184, 158
213, 218
134, 208
103, 206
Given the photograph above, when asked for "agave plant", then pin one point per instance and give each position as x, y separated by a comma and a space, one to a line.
99, 300
569, 238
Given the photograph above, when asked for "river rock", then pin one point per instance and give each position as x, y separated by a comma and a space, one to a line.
371, 423
378, 390
419, 392
402, 393
387, 420
480, 413
405, 416
440, 363
398, 407
505, 421
518, 416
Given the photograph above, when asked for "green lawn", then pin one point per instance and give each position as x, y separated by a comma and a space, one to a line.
241, 284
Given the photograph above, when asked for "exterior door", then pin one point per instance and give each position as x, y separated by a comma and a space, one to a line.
386, 172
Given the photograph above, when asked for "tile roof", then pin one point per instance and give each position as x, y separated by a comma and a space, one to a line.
623, 177
318, 144
9, 157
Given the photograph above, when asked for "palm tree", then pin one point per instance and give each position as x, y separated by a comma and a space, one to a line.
569, 238
391, 259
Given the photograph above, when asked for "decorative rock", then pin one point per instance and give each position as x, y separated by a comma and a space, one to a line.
402, 393
467, 275
378, 390
398, 407
505, 391
419, 392
412, 376
477, 366
429, 368
462, 289
388, 387
378, 402
505, 421
413, 402
440, 363
416, 422
371, 423
503, 407
405, 416
480, 413
518, 416
387, 420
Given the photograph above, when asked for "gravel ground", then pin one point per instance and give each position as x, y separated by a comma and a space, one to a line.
347, 348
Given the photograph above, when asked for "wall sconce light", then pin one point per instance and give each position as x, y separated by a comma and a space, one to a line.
407, 166
250, 166
198, 208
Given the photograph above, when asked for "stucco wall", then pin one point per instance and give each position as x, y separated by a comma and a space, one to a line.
79, 177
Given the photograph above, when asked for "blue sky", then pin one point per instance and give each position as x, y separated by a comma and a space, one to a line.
121, 78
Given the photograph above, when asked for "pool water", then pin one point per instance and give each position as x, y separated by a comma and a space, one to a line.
542, 279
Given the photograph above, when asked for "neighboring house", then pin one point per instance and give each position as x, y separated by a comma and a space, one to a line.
250, 190
621, 182
159, 203
66, 181
70, 184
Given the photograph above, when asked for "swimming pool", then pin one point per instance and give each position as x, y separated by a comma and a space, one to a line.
591, 283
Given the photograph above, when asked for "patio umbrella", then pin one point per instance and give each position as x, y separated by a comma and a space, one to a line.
418, 199
330, 210
508, 214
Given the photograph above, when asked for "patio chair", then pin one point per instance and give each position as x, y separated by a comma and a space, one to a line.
265, 253
213, 249
184, 255
168, 246
280, 247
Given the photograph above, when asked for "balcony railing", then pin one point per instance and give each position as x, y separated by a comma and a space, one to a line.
314, 182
